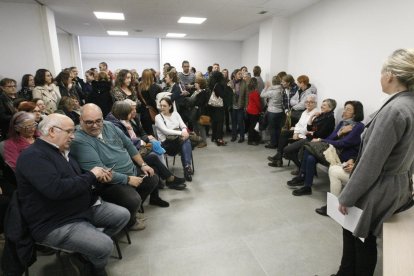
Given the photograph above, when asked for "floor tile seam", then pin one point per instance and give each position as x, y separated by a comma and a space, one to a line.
255, 257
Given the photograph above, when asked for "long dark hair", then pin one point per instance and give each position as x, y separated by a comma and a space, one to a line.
40, 78
358, 110
215, 78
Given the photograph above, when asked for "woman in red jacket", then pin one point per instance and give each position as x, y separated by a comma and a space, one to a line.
253, 112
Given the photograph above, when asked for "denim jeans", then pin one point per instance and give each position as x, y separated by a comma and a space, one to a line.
84, 237
186, 153
308, 167
237, 123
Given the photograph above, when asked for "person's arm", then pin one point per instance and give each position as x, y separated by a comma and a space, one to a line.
11, 153
159, 123
175, 92
88, 157
47, 180
386, 133
353, 138
325, 128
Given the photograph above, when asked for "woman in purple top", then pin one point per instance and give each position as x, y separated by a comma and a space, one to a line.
346, 138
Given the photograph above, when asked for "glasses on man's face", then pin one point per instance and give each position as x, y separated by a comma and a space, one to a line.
68, 131
309, 102
90, 123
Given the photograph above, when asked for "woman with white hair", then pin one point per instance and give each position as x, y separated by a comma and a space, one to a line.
381, 182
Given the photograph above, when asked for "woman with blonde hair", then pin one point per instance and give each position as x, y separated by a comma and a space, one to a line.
381, 181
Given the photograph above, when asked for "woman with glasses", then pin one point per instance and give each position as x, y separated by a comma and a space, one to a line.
22, 134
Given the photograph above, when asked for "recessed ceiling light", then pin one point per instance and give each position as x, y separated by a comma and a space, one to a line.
117, 32
175, 35
191, 20
110, 15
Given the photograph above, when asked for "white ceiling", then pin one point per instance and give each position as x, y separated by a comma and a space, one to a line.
226, 19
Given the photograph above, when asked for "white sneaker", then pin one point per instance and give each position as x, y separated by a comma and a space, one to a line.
138, 226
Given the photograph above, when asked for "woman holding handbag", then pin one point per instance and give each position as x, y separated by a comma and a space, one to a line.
198, 102
216, 107
147, 94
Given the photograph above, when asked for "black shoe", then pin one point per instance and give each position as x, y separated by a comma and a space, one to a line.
241, 140
294, 172
276, 164
177, 183
302, 191
274, 157
187, 173
322, 211
296, 181
269, 146
159, 202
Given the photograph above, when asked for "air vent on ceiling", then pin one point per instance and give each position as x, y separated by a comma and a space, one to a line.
262, 12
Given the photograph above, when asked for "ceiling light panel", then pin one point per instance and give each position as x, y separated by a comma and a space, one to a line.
191, 20
117, 32
110, 15
176, 35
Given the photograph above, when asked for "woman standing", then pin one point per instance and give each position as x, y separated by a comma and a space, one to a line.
239, 87
147, 93
123, 87
381, 182
101, 93
216, 107
253, 112
46, 90
27, 87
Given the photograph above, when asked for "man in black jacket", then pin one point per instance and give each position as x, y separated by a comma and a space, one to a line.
58, 201
8, 94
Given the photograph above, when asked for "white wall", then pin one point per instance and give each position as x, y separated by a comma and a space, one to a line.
120, 52
341, 45
250, 52
201, 53
27, 40
69, 51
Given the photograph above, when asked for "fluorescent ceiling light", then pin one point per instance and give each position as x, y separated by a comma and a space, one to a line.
191, 20
110, 15
175, 35
117, 32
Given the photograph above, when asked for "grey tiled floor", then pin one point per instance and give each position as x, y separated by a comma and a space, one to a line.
237, 217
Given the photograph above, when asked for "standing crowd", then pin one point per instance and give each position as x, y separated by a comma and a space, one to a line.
81, 155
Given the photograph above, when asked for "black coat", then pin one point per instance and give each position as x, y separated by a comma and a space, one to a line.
101, 96
6, 112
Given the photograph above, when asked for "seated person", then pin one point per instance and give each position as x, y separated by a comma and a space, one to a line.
57, 199
338, 177
318, 125
297, 102
100, 143
120, 116
346, 138
67, 107
22, 134
31, 107
169, 122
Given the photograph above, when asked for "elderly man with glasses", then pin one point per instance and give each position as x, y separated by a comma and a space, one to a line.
100, 143
59, 202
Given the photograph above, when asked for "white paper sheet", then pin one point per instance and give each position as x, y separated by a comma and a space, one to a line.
349, 221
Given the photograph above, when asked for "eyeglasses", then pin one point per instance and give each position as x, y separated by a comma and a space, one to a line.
91, 123
68, 131
34, 125
10, 86
309, 102
36, 111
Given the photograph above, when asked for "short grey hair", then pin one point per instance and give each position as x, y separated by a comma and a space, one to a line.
401, 65
48, 122
130, 102
331, 103
312, 97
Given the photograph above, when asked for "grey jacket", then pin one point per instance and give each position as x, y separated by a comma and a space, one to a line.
275, 95
380, 183
298, 102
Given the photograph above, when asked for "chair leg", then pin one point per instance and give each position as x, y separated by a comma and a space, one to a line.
192, 161
127, 236
174, 161
118, 248
166, 161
